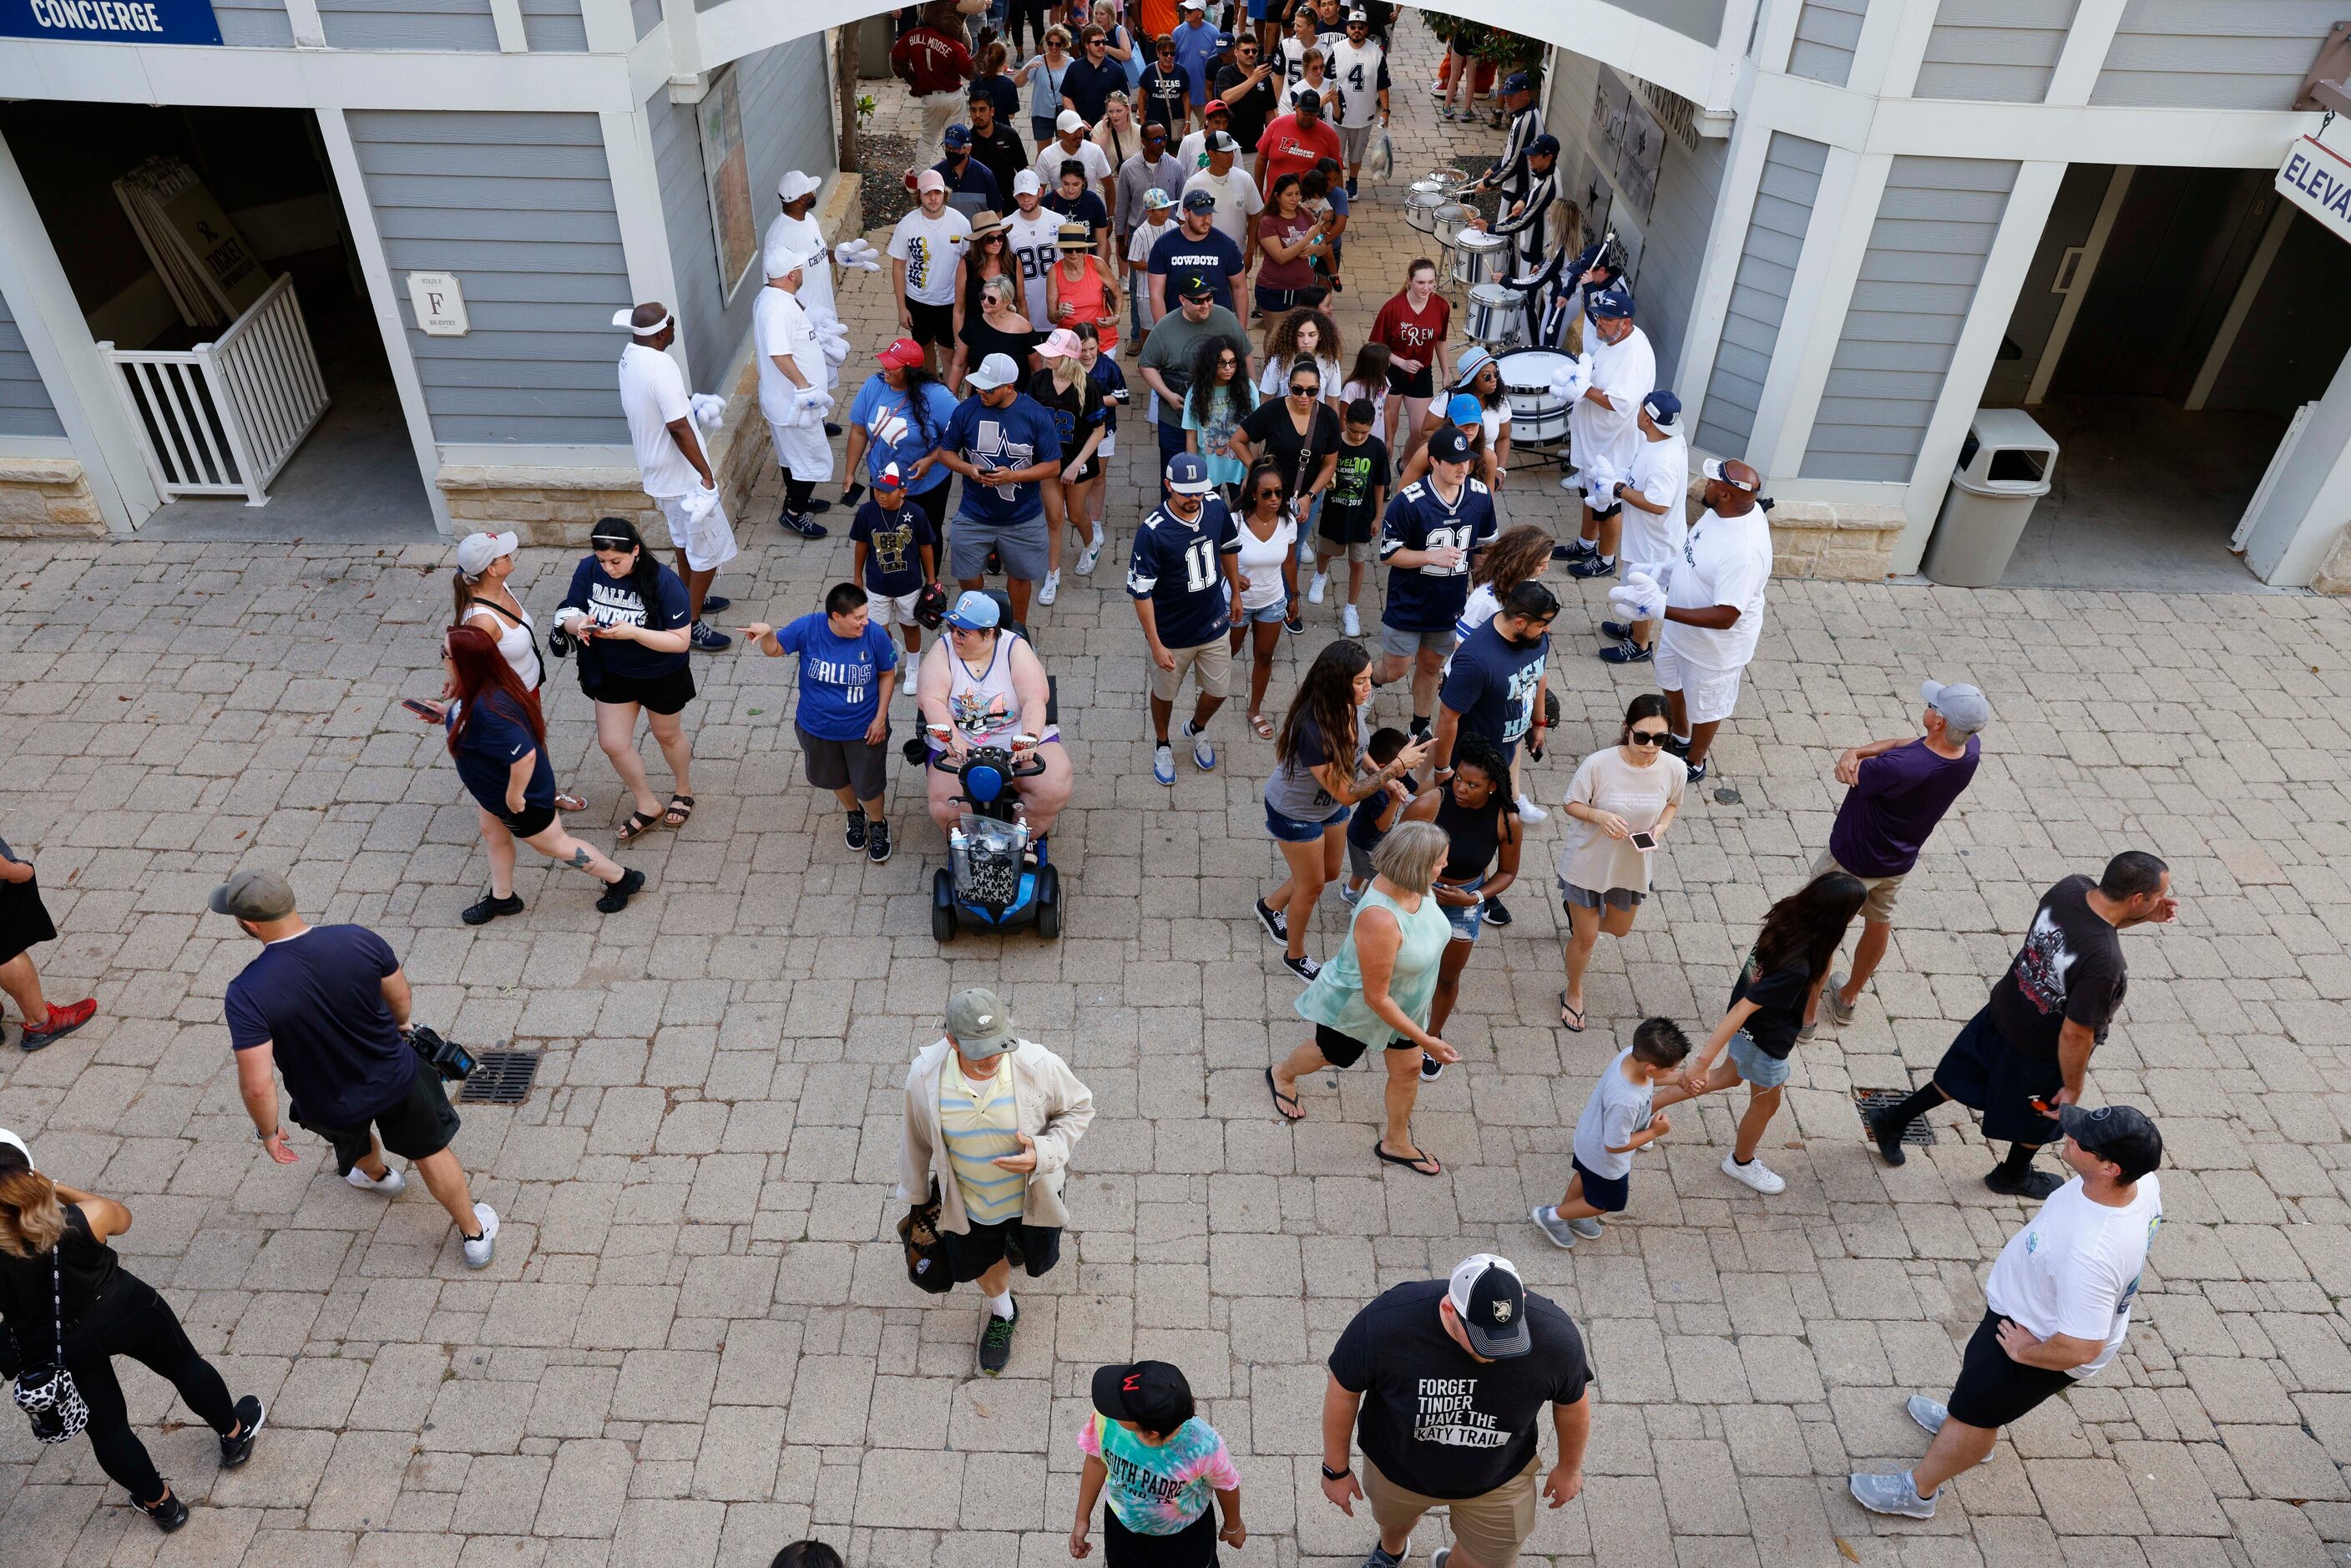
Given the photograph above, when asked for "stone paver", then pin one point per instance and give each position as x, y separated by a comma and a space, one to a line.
696, 1342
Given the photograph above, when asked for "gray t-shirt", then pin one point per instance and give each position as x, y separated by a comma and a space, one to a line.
1617, 1110
1292, 789
1169, 352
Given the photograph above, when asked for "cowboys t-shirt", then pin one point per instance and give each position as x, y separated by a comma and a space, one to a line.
1435, 1419
2070, 967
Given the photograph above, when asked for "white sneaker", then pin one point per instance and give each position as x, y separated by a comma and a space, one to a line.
1204, 756
393, 1185
1528, 811
1351, 622
1087, 556
1754, 1174
1315, 589
1050, 589
477, 1251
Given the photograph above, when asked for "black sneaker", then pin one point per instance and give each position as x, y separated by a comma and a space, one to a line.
1616, 630
802, 524
1888, 1135
1275, 921
490, 907
707, 639
1304, 969
2033, 1184
819, 505
1696, 773
831, 433
1627, 652
616, 894
1294, 624
712, 603
877, 842
996, 1342
235, 1450
854, 835
1677, 745
1592, 565
1495, 914
1574, 549
1431, 1070
168, 1514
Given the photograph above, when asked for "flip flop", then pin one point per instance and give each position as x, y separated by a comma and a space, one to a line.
1294, 1111
1574, 1025
1419, 1164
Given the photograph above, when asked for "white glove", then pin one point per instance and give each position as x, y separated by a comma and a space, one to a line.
813, 404
1659, 572
1599, 486
1637, 602
859, 253
1571, 381
699, 502
836, 349
710, 410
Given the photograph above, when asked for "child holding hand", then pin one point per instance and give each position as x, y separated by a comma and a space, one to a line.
1616, 1121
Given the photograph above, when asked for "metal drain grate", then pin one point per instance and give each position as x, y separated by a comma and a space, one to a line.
500, 1078
1869, 1101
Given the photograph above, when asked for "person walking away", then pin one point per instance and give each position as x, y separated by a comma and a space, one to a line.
2057, 1303
1081, 422
626, 611
991, 1122
328, 1005
1783, 972
1620, 796
25, 923
894, 552
1500, 1353
1158, 1463
1351, 507
485, 562
1713, 611
1374, 992
1183, 577
895, 422
1473, 806
1360, 66
1600, 424
672, 468
1008, 450
848, 670
1618, 1122
1433, 529
926, 254
1269, 580
2027, 1050
1896, 791
498, 739
65, 1294
792, 398
1654, 497
934, 64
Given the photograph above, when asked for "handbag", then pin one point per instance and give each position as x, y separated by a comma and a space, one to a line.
45, 1392
926, 1251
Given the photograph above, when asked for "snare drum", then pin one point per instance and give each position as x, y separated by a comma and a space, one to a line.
1421, 201
1452, 218
1538, 414
1480, 256
1496, 314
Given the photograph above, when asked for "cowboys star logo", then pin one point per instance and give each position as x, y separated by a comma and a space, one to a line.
1501, 1311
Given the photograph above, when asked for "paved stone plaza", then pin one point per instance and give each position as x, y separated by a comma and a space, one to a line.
696, 1342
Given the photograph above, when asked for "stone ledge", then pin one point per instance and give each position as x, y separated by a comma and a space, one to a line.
1840, 540
47, 498
2334, 574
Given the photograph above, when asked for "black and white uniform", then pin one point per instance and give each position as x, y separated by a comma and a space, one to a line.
1532, 225
1509, 173
1555, 293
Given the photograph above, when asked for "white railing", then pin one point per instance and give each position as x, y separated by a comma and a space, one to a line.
221, 418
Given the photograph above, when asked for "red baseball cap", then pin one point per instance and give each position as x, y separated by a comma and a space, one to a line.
903, 354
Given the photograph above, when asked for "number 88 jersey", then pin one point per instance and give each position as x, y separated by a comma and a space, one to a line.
1431, 598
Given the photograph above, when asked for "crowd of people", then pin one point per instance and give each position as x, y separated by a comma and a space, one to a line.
1016, 283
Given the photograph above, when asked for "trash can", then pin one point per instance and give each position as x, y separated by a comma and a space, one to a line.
2004, 468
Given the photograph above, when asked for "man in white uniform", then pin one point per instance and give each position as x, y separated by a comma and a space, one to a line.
791, 388
1713, 611
1655, 499
671, 466
1601, 432
798, 228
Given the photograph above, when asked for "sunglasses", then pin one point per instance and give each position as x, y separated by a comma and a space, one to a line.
1227, 363
1268, 493
1648, 738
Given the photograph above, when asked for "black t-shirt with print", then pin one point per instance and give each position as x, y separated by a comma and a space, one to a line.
1779, 996
2070, 967
1437, 1420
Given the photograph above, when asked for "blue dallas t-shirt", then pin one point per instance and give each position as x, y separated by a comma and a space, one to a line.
1491, 683
1017, 436
1178, 566
1431, 598
317, 1000
892, 434
840, 677
496, 736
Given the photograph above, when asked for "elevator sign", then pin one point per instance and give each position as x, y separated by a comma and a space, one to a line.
111, 21
2317, 179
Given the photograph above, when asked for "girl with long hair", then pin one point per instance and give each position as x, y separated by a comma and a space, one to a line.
1633, 786
627, 611
1412, 325
1000, 328
1268, 569
1310, 334
1079, 291
484, 599
1075, 402
1369, 380
1473, 807
1044, 70
1117, 133
498, 739
1776, 986
1317, 777
1216, 401
54, 1254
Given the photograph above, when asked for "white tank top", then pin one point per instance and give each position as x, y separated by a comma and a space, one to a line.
984, 707
517, 641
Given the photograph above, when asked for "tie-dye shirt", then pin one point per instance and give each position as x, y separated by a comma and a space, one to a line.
1160, 1490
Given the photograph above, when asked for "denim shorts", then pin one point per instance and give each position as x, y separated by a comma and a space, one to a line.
1279, 611
1759, 1070
1299, 829
1466, 921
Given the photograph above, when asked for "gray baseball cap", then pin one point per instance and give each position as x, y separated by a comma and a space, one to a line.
979, 1023
253, 895
1964, 708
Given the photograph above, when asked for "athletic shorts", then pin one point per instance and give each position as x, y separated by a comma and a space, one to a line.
886, 610
1036, 1248
1758, 1068
1211, 667
1356, 142
1401, 643
1421, 382
1882, 889
1194, 1546
1994, 1389
419, 1125
1607, 1194
526, 823
1709, 696
1020, 545
1984, 1070
1492, 1528
708, 544
1346, 1050
845, 764
663, 694
932, 324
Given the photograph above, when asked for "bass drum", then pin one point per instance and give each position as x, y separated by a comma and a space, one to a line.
1538, 414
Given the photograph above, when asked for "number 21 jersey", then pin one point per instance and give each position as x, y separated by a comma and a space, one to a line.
1431, 598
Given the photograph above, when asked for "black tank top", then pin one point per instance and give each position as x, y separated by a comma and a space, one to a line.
90, 1267
1476, 835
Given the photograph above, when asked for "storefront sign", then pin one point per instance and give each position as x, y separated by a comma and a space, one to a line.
111, 21
2317, 179
439, 304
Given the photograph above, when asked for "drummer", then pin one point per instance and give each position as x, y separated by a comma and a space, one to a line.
1528, 220
1555, 291
1509, 173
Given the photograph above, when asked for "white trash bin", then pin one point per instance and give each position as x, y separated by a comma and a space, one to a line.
2004, 468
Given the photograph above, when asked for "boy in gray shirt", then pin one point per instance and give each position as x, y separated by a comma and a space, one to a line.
1616, 1121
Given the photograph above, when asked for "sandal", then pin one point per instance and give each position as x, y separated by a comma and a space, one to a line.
639, 824
679, 812
565, 801
1286, 1104
1262, 725
1424, 1164
1570, 1019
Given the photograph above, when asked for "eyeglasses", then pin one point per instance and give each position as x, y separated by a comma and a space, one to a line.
1648, 738
1226, 363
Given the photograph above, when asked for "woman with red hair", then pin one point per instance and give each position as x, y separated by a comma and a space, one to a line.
499, 742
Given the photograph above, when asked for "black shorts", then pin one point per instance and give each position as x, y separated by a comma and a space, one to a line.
845, 764
1610, 510
526, 823
23, 918
422, 1123
1194, 1546
1607, 1194
1346, 1050
1994, 1390
656, 694
932, 324
1036, 1248
1348, 525
1982, 1068
1421, 382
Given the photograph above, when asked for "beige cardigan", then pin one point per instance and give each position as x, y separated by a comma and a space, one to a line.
1054, 1108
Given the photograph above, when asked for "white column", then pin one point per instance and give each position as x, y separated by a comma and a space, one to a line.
1726, 241
2302, 511
636, 200
1835, 242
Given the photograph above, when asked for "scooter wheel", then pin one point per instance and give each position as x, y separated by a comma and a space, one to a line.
942, 905
1048, 902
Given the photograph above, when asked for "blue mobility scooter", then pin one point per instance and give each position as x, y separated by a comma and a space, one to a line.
996, 877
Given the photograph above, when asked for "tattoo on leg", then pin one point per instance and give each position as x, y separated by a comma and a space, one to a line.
581, 859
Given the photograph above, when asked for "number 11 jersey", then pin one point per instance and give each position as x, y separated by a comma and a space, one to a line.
1178, 567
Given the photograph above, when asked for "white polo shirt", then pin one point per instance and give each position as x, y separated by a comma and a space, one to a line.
653, 396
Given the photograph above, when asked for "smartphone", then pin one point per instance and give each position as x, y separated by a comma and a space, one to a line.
1643, 839
422, 710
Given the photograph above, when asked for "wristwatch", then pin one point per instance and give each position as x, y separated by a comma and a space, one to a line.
1338, 1475
265, 1137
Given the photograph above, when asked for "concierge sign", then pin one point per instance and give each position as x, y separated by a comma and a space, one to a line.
111, 21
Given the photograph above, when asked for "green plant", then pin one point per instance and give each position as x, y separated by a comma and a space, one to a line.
866, 105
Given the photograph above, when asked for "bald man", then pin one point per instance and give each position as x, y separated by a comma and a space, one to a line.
1713, 611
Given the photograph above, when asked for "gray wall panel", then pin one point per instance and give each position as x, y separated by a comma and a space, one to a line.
2002, 50
2215, 54
408, 24
1699, 19
1826, 31
25, 405
254, 23
1935, 226
554, 26
1758, 292
647, 14
522, 212
1674, 243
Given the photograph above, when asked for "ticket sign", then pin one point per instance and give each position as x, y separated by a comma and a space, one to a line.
2317, 179
111, 21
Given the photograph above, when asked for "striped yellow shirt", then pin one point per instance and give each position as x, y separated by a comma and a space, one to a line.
980, 1121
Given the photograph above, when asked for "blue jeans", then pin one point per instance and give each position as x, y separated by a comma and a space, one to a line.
1171, 442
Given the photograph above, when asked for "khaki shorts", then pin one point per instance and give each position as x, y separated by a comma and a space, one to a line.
1211, 664
1492, 1528
1882, 889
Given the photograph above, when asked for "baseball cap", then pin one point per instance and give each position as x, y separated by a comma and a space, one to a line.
1463, 408
1310, 102
1186, 475
1195, 287
476, 551
903, 354
1517, 82
1151, 1394
1069, 119
1075, 237
1964, 707
973, 612
253, 895
1614, 301
1491, 1300
956, 136
1027, 184
782, 260
979, 1022
13, 1153
1216, 106
1200, 202
1546, 145
1060, 343
889, 478
2123, 1134
1224, 40
1359, 14
1718, 468
795, 184
1663, 408
1195, 4
1159, 200
1449, 444
996, 371
930, 180
1221, 141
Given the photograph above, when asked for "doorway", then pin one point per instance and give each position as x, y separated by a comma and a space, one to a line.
90, 169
